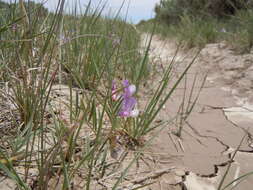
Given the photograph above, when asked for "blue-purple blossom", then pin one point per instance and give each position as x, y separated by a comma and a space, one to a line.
129, 90
129, 102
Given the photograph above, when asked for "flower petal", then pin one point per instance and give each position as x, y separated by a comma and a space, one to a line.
128, 104
125, 83
134, 113
131, 89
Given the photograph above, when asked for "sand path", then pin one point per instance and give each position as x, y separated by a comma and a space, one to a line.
210, 135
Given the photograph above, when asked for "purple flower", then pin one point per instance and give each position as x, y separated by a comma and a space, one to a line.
129, 90
129, 102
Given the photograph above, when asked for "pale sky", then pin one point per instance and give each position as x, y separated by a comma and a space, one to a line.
138, 9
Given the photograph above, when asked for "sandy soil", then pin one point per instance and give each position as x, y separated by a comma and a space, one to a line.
217, 124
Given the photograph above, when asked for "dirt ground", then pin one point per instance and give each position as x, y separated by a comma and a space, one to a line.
219, 121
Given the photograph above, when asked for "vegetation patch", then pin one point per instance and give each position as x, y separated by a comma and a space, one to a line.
197, 23
70, 93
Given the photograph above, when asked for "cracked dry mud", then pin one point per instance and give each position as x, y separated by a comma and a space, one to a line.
211, 134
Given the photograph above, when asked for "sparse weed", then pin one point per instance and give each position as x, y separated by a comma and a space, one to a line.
189, 101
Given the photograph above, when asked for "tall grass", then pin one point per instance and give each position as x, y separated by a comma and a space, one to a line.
191, 31
196, 29
240, 28
57, 72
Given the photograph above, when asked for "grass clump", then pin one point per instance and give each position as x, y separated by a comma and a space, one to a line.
191, 31
59, 74
171, 11
240, 28
196, 32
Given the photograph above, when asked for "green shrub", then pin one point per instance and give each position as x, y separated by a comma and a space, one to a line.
196, 23
241, 30
189, 30
196, 32
170, 11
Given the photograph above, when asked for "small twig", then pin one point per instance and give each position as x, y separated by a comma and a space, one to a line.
138, 183
153, 175
174, 142
181, 144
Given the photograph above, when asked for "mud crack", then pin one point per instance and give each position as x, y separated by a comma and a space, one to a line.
216, 166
